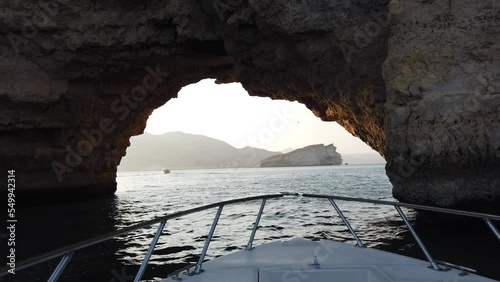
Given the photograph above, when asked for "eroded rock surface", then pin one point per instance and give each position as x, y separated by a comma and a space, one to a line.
78, 78
442, 77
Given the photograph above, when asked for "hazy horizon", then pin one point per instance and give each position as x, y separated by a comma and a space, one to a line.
284, 151
228, 113
178, 150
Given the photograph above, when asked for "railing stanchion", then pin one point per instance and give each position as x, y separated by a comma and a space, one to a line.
434, 264
67, 252
492, 227
60, 267
346, 222
197, 270
256, 226
150, 251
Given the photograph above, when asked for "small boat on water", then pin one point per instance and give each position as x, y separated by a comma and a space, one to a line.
296, 259
165, 170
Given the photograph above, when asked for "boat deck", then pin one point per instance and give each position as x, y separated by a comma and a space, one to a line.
291, 261
300, 260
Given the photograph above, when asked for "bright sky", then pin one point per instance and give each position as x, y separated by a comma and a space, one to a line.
226, 112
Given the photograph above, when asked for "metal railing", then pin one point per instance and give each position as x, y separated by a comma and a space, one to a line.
67, 252
397, 205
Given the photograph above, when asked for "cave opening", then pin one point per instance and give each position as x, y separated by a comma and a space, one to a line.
208, 122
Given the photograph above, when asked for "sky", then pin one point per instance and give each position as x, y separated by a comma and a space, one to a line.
226, 112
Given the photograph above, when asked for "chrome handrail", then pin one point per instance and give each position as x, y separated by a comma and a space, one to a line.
67, 252
426, 252
397, 205
403, 205
256, 225
346, 222
151, 249
197, 270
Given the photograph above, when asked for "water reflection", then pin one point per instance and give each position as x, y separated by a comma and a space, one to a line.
379, 227
119, 259
43, 228
143, 196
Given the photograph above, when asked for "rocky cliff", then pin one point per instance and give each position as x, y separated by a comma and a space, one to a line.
418, 81
307, 156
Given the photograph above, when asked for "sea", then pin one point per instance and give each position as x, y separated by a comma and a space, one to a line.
147, 195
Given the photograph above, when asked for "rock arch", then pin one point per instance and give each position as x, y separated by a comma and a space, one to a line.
415, 81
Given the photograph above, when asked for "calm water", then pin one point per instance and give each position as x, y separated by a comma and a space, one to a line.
146, 195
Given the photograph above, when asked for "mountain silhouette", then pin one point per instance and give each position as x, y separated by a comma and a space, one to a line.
179, 150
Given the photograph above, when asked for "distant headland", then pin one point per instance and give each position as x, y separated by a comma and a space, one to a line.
179, 150
308, 156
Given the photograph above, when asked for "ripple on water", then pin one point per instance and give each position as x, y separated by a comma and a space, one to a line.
146, 195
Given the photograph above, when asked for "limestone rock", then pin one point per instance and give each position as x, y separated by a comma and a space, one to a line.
442, 77
418, 81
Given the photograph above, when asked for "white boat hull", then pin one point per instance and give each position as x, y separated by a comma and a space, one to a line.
294, 261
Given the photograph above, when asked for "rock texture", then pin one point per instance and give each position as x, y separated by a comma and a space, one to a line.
442, 77
418, 81
307, 156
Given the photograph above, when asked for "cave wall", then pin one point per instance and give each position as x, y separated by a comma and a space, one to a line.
442, 76
79, 78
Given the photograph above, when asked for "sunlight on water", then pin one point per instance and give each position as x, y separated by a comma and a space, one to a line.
148, 195
145, 195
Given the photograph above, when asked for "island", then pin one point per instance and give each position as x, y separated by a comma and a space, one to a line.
308, 156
